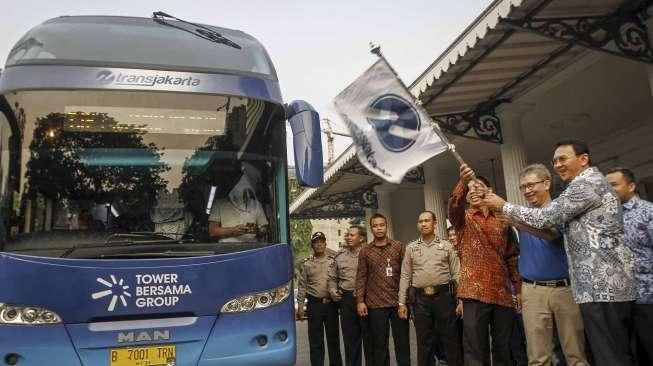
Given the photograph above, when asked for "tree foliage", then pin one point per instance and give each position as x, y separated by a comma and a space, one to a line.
300, 239
108, 164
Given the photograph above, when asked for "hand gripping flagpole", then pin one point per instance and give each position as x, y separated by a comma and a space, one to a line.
376, 49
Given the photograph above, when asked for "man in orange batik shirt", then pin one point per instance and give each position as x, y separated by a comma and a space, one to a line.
488, 273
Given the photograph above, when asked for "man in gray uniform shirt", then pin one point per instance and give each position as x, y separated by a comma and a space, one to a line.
322, 311
342, 283
431, 267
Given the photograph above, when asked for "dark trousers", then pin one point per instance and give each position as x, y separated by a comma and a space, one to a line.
608, 327
643, 320
354, 332
435, 320
380, 320
518, 342
438, 349
323, 317
477, 318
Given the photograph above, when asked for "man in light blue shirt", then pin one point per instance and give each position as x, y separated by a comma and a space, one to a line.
638, 226
547, 301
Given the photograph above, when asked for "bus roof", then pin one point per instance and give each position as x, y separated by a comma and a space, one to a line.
139, 43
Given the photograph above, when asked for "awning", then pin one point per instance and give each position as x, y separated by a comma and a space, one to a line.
342, 160
513, 46
348, 189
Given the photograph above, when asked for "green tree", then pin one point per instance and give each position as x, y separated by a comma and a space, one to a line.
109, 164
300, 230
300, 240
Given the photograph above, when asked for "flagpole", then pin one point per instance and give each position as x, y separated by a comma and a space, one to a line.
376, 49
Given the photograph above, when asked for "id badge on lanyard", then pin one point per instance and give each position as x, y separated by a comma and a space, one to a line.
388, 269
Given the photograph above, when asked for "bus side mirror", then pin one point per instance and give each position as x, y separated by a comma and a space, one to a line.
307, 139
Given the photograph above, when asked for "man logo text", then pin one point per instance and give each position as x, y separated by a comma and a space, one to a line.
157, 335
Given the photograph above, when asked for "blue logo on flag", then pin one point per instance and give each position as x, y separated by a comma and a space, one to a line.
395, 121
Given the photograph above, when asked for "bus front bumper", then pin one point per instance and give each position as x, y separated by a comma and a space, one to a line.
36, 346
263, 337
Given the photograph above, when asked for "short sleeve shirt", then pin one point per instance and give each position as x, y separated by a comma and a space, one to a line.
228, 215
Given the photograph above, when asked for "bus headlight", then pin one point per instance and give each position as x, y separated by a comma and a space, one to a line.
259, 300
26, 315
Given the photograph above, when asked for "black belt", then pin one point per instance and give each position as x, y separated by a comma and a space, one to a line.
347, 293
551, 283
322, 300
432, 290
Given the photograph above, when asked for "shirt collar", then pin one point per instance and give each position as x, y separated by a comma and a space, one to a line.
354, 251
632, 203
589, 171
388, 242
585, 173
477, 211
422, 242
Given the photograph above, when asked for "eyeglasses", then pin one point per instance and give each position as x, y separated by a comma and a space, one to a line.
562, 159
528, 186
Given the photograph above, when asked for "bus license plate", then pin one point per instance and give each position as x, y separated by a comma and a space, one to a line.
143, 356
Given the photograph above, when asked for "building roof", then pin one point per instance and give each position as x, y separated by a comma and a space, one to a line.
494, 58
346, 192
344, 177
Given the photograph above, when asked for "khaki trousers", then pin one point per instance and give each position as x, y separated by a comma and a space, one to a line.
541, 307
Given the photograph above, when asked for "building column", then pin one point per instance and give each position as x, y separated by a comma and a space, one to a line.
513, 149
384, 203
368, 215
48, 214
435, 199
27, 225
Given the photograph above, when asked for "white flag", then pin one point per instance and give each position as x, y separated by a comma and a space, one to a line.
390, 133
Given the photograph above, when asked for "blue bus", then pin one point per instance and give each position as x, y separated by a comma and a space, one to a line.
143, 196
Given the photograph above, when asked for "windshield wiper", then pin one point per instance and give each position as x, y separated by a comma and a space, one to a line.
127, 239
149, 236
166, 254
200, 30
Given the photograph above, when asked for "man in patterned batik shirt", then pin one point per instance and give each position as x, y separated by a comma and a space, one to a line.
377, 288
601, 266
638, 225
488, 273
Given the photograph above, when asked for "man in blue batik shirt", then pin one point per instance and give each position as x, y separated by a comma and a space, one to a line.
638, 225
601, 266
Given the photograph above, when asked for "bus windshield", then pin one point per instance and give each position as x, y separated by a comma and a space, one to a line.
120, 174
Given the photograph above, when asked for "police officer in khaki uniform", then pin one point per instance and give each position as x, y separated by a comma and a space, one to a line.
431, 267
342, 283
322, 311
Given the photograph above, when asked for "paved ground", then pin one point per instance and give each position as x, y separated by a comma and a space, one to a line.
303, 358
